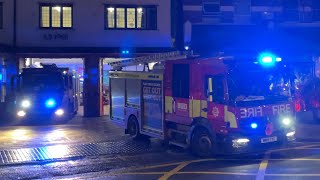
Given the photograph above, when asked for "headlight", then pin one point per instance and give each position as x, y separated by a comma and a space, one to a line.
21, 113
25, 103
241, 140
59, 112
291, 133
286, 121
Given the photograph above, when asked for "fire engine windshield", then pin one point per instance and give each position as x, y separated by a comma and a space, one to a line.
248, 86
42, 82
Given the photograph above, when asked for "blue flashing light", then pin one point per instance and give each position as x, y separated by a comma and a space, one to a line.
50, 103
1, 77
125, 51
186, 48
267, 59
278, 59
254, 125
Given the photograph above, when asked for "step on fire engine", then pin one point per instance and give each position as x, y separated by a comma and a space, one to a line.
212, 105
48, 92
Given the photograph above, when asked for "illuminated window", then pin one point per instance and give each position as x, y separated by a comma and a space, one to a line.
131, 17
67, 17
45, 16
55, 16
141, 18
1, 15
120, 18
110, 15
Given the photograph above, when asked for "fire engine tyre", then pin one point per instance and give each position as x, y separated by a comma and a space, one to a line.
202, 143
133, 128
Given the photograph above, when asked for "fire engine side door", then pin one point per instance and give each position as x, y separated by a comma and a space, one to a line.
215, 86
180, 92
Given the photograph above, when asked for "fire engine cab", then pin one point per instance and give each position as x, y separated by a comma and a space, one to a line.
48, 92
212, 105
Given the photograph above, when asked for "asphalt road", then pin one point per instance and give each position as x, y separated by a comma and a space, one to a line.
96, 149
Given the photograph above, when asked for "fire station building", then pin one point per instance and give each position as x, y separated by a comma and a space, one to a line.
90, 30
288, 27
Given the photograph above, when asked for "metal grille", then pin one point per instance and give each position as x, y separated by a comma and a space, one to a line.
50, 153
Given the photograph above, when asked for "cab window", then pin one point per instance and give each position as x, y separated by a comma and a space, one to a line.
215, 89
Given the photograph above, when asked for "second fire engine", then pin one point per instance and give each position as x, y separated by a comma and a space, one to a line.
48, 92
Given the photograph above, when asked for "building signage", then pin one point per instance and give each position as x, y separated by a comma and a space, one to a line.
55, 36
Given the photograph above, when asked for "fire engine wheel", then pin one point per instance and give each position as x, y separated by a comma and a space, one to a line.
202, 143
133, 128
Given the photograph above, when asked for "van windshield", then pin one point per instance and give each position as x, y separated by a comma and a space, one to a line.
42, 82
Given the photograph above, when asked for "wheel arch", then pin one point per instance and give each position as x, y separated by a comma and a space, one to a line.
200, 123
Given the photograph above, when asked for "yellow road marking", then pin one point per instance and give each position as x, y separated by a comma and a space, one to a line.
263, 167
169, 164
174, 171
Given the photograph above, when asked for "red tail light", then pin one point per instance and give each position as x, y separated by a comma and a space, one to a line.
298, 107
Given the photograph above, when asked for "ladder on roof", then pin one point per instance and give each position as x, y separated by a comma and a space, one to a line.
175, 55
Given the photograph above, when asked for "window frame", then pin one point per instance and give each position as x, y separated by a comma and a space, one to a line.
1, 15
115, 6
51, 5
211, 97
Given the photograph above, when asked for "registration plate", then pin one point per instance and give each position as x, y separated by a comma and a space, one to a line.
269, 139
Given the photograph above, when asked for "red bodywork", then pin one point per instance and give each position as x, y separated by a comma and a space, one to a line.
218, 114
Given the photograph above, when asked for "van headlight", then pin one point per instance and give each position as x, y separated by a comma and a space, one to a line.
59, 112
25, 104
21, 113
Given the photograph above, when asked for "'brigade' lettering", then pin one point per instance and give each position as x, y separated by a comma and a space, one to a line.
280, 109
250, 112
182, 106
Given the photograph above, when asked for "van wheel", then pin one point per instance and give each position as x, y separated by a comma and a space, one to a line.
202, 143
133, 128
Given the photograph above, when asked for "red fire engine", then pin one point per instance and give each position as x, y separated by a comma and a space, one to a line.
212, 105
307, 88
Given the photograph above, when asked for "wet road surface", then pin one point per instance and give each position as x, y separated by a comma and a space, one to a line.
96, 149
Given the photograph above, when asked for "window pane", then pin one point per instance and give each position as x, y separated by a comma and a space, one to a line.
110, 16
131, 17
67, 16
152, 18
141, 18
45, 21
120, 18
56, 15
